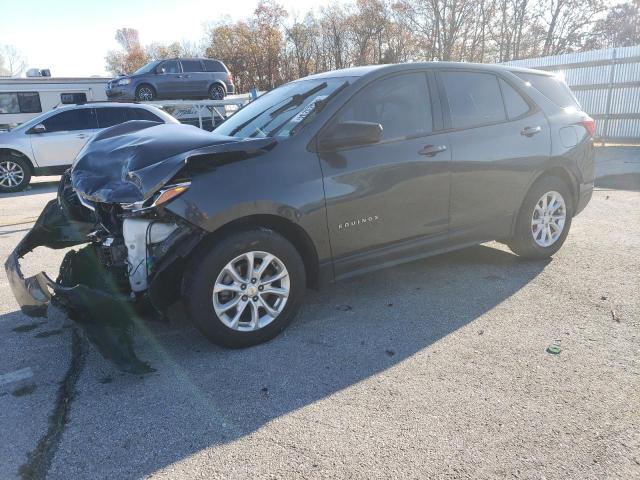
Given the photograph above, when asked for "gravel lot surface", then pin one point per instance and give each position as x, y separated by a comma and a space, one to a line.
434, 369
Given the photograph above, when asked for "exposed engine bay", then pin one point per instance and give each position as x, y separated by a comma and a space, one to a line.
121, 274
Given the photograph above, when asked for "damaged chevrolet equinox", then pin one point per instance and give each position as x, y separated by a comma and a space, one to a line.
326, 177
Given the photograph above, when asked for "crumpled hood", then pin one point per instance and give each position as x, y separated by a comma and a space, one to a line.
129, 162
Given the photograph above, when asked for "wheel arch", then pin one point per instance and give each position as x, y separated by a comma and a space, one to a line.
218, 82
146, 83
291, 231
556, 171
17, 153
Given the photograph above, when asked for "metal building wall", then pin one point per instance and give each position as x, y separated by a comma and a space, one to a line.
607, 84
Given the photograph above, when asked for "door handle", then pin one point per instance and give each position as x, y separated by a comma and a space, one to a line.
530, 131
82, 135
432, 150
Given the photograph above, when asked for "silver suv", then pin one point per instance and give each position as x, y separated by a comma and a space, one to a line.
48, 143
174, 78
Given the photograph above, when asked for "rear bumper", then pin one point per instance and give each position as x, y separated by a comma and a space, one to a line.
584, 195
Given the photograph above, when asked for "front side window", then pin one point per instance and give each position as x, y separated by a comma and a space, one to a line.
170, 66
70, 120
192, 66
20, 102
399, 103
283, 111
474, 98
515, 105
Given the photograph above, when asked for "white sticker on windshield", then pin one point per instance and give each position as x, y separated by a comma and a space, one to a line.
308, 109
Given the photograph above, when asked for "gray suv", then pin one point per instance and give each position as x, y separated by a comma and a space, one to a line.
174, 78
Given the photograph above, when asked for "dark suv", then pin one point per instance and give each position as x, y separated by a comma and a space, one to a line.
176, 78
327, 177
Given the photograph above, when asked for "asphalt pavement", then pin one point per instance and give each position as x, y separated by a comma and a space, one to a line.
434, 369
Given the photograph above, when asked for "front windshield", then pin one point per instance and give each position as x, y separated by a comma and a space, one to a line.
282, 111
147, 68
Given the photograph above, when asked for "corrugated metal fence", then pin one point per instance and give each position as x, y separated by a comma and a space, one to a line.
607, 84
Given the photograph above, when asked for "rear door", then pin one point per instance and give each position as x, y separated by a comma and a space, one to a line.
195, 79
498, 139
388, 200
66, 133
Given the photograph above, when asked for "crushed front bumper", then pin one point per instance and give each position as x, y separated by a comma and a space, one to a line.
84, 289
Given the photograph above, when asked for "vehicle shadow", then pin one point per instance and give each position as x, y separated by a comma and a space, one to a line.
36, 187
202, 396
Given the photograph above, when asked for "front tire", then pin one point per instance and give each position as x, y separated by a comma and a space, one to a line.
15, 174
245, 289
544, 219
145, 93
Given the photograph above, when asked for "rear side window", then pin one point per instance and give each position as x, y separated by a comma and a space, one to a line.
474, 98
108, 117
214, 66
552, 87
515, 105
400, 104
20, 102
142, 114
192, 66
78, 119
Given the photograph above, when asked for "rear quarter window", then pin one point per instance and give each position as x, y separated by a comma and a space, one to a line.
552, 87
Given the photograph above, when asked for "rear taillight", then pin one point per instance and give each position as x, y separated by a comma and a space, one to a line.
230, 78
590, 124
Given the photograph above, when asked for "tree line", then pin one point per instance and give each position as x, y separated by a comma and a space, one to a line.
273, 46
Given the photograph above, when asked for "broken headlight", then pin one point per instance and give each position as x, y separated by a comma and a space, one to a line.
163, 196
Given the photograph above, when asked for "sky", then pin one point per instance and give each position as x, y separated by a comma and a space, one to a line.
72, 37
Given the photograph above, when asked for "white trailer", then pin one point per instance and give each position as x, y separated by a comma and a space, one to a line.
21, 99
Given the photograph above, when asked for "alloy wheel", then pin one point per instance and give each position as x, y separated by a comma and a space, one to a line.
145, 94
548, 219
217, 92
251, 291
11, 174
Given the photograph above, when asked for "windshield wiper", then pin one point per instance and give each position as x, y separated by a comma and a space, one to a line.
296, 100
317, 108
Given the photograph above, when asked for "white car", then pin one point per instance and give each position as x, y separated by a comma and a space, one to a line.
48, 143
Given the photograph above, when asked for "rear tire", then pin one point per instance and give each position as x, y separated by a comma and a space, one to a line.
238, 326
216, 92
544, 219
15, 174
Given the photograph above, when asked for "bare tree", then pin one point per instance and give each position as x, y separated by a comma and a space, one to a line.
12, 63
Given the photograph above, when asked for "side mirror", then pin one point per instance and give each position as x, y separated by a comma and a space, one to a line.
351, 134
39, 128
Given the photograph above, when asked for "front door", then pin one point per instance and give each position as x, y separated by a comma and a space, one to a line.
66, 133
387, 200
169, 82
499, 139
